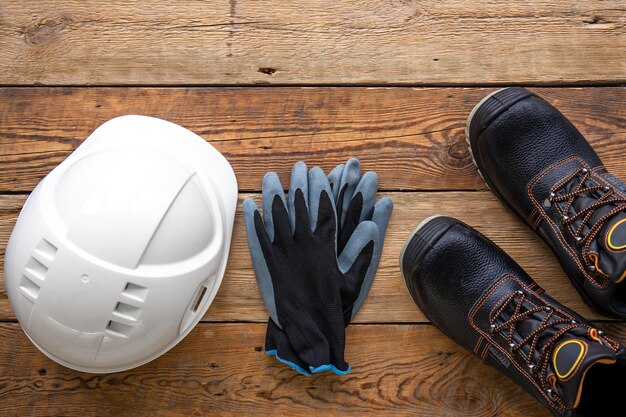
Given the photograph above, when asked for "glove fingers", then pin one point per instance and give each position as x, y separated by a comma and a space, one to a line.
301, 215
318, 185
334, 179
282, 227
258, 244
359, 209
299, 181
367, 187
350, 222
355, 261
326, 218
271, 187
381, 215
349, 179
366, 232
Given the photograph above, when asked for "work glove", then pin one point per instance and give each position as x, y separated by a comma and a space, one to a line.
355, 197
355, 202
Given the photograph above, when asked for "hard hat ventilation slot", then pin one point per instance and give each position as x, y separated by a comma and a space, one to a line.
115, 328
32, 278
46, 249
29, 288
36, 269
127, 311
199, 298
192, 314
136, 292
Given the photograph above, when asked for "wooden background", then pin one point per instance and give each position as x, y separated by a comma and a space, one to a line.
270, 83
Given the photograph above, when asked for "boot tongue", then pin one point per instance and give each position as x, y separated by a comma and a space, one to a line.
608, 251
571, 359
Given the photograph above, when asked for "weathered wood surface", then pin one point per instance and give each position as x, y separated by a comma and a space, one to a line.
413, 138
239, 300
307, 41
221, 369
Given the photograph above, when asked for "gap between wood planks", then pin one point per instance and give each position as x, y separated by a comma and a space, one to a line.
442, 42
413, 138
238, 299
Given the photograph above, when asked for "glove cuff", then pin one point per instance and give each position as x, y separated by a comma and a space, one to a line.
316, 334
277, 344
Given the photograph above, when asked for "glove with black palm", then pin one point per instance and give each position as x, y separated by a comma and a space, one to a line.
355, 202
310, 291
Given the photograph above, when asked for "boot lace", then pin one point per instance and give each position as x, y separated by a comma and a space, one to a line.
589, 188
523, 309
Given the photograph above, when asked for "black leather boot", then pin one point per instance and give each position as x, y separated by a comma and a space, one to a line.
478, 296
540, 166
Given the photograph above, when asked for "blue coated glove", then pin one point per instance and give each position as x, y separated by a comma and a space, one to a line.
360, 227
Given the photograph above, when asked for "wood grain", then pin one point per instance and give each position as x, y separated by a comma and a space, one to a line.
221, 369
238, 298
311, 41
413, 138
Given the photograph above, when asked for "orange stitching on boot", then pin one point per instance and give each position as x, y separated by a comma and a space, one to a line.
555, 229
555, 402
586, 213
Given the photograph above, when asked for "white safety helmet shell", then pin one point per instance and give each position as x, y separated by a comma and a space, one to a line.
120, 250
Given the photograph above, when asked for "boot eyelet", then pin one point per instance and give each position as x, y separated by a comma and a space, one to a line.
585, 170
592, 269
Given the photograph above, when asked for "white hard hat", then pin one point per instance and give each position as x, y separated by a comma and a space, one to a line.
119, 251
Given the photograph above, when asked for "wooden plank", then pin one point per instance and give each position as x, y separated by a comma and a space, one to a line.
220, 369
414, 138
238, 298
311, 41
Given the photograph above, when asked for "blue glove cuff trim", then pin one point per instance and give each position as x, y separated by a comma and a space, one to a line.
329, 367
297, 368
314, 370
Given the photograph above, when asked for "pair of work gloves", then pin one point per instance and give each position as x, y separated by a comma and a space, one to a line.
315, 255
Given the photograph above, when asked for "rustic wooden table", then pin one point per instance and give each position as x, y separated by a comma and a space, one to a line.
271, 83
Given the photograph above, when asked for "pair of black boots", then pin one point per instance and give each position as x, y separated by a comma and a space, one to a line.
543, 169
